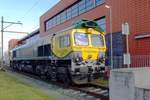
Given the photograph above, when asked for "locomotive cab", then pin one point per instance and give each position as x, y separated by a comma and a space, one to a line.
84, 46
88, 54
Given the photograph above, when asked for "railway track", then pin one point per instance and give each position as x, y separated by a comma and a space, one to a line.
86, 91
96, 91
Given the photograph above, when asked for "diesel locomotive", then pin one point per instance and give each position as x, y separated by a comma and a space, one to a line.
74, 55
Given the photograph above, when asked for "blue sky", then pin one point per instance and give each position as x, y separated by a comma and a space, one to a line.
26, 11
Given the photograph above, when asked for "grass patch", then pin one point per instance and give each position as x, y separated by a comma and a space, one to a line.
12, 89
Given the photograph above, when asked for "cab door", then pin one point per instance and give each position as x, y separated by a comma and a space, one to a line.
61, 45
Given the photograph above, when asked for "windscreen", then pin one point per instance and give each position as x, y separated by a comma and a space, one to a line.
97, 40
81, 39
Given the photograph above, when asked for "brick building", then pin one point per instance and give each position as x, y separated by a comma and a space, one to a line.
12, 43
135, 12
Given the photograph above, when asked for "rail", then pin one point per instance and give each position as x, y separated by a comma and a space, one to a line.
97, 91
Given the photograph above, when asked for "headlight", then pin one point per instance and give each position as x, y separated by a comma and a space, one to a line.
77, 57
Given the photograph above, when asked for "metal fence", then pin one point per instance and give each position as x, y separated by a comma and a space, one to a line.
136, 61
140, 61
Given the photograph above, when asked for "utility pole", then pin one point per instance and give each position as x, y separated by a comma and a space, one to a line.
2, 31
2, 41
111, 34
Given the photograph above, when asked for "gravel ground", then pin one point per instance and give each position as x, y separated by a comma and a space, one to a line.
57, 92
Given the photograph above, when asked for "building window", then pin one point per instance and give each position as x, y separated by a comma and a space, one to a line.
49, 24
57, 19
64, 41
68, 13
63, 16
82, 6
102, 23
53, 21
89, 4
99, 2
75, 10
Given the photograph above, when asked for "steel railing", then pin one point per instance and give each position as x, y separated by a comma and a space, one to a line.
136, 61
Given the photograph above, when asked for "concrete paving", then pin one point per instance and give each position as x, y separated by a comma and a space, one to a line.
130, 84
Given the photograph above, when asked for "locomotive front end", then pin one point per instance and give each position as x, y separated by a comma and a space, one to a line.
80, 52
88, 56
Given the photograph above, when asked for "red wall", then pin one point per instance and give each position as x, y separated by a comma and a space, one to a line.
135, 12
143, 45
141, 26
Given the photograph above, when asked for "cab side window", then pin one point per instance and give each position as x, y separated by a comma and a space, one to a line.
64, 41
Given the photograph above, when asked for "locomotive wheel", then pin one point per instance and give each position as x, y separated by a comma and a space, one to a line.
53, 73
14, 67
40, 72
53, 76
20, 69
42, 75
66, 81
37, 70
17, 67
48, 74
